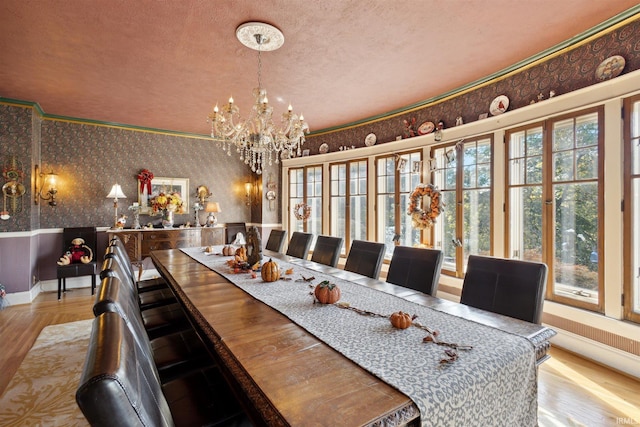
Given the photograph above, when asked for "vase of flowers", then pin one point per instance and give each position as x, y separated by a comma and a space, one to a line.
167, 205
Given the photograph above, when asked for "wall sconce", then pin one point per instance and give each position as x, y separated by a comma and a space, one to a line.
247, 193
48, 180
115, 194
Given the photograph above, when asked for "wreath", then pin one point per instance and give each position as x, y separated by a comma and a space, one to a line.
421, 218
302, 211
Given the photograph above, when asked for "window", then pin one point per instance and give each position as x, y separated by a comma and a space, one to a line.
397, 176
554, 183
305, 187
632, 209
349, 201
463, 174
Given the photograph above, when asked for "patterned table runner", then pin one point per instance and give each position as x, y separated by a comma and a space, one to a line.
495, 383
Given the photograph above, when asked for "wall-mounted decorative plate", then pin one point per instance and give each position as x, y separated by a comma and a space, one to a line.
370, 139
271, 195
324, 148
425, 128
499, 105
610, 67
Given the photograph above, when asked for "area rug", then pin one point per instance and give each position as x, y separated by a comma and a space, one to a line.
42, 391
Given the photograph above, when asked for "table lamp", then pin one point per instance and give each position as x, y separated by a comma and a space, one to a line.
212, 207
115, 194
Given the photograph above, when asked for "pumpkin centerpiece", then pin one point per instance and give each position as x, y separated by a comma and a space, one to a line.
228, 250
241, 254
401, 320
327, 293
270, 271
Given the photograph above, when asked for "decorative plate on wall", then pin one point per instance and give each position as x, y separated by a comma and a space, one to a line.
499, 105
610, 67
425, 128
370, 139
324, 148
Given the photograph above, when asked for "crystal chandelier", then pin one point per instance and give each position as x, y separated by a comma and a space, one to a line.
257, 139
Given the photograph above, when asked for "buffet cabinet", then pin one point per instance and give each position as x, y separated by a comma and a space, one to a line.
140, 243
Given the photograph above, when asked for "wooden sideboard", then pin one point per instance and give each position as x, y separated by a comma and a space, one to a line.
140, 243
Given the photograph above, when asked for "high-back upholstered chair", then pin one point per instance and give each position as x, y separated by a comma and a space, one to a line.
89, 235
276, 240
299, 244
365, 258
233, 228
505, 286
415, 268
327, 250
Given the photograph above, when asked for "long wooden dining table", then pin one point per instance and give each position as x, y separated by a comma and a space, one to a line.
287, 371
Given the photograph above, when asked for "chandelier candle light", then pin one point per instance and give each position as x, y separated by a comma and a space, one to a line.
256, 139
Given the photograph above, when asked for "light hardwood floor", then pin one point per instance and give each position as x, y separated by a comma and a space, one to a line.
572, 391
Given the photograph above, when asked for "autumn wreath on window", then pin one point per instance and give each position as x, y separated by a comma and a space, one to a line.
302, 211
424, 218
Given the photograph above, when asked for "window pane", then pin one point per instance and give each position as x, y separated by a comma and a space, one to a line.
587, 130
525, 223
358, 211
587, 163
563, 166
445, 231
563, 135
576, 233
386, 221
534, 170
534, 142
635, 244
477, 223
516, 171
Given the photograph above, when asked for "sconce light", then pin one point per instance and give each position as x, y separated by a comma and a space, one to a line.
115, 194
212, 207
49, 180
247, 195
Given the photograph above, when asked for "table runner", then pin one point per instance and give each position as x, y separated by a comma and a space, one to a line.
495, 383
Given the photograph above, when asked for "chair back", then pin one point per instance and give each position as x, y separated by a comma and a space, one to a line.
365, 258
276, 240
416, 268
510, 287
119, 383
327, 250
233, 228
299, 244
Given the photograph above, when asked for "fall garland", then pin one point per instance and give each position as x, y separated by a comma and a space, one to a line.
422, 218
302, 211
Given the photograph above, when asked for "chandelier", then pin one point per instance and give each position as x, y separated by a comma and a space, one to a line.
257, 139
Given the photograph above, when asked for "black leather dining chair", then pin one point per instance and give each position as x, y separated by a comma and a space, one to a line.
415, 268
78, 269
510, 287
233, 228
299, 244
327, 250
276, 240
365, 258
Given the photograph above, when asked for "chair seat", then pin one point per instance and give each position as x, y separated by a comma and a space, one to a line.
164, 320
156, 298
75, 270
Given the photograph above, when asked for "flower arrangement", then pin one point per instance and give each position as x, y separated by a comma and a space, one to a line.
167, 202
423, 218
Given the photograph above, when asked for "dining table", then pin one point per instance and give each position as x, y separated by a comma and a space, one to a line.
293, 361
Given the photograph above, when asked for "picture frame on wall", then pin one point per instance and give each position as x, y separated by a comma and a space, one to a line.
164, 185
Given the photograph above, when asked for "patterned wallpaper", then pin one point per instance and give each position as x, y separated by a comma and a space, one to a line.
563, 73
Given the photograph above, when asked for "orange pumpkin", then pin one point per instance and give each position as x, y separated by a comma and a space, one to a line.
400, 320
270, 271
228, 250
327, 293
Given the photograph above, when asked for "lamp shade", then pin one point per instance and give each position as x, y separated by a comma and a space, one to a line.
116, 192
212, 207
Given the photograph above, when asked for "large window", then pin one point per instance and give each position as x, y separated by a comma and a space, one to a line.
305, 187
632, 209
397, 176
554, 184
463, 174
349, 201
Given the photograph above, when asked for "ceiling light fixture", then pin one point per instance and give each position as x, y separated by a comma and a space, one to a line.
256, 139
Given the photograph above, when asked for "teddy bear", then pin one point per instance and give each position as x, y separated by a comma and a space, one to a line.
78, 252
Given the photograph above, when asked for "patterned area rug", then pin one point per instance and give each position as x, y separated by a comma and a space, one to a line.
42, 392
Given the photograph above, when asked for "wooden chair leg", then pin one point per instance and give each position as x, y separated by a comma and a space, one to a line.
59, 287
93, 284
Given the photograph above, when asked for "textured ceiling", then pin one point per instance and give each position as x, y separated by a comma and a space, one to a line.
163, 64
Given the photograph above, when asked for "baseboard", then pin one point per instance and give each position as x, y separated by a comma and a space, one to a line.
17, 298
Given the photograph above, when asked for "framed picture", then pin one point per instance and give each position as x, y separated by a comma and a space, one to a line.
483, 116
164, 185
305, 153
